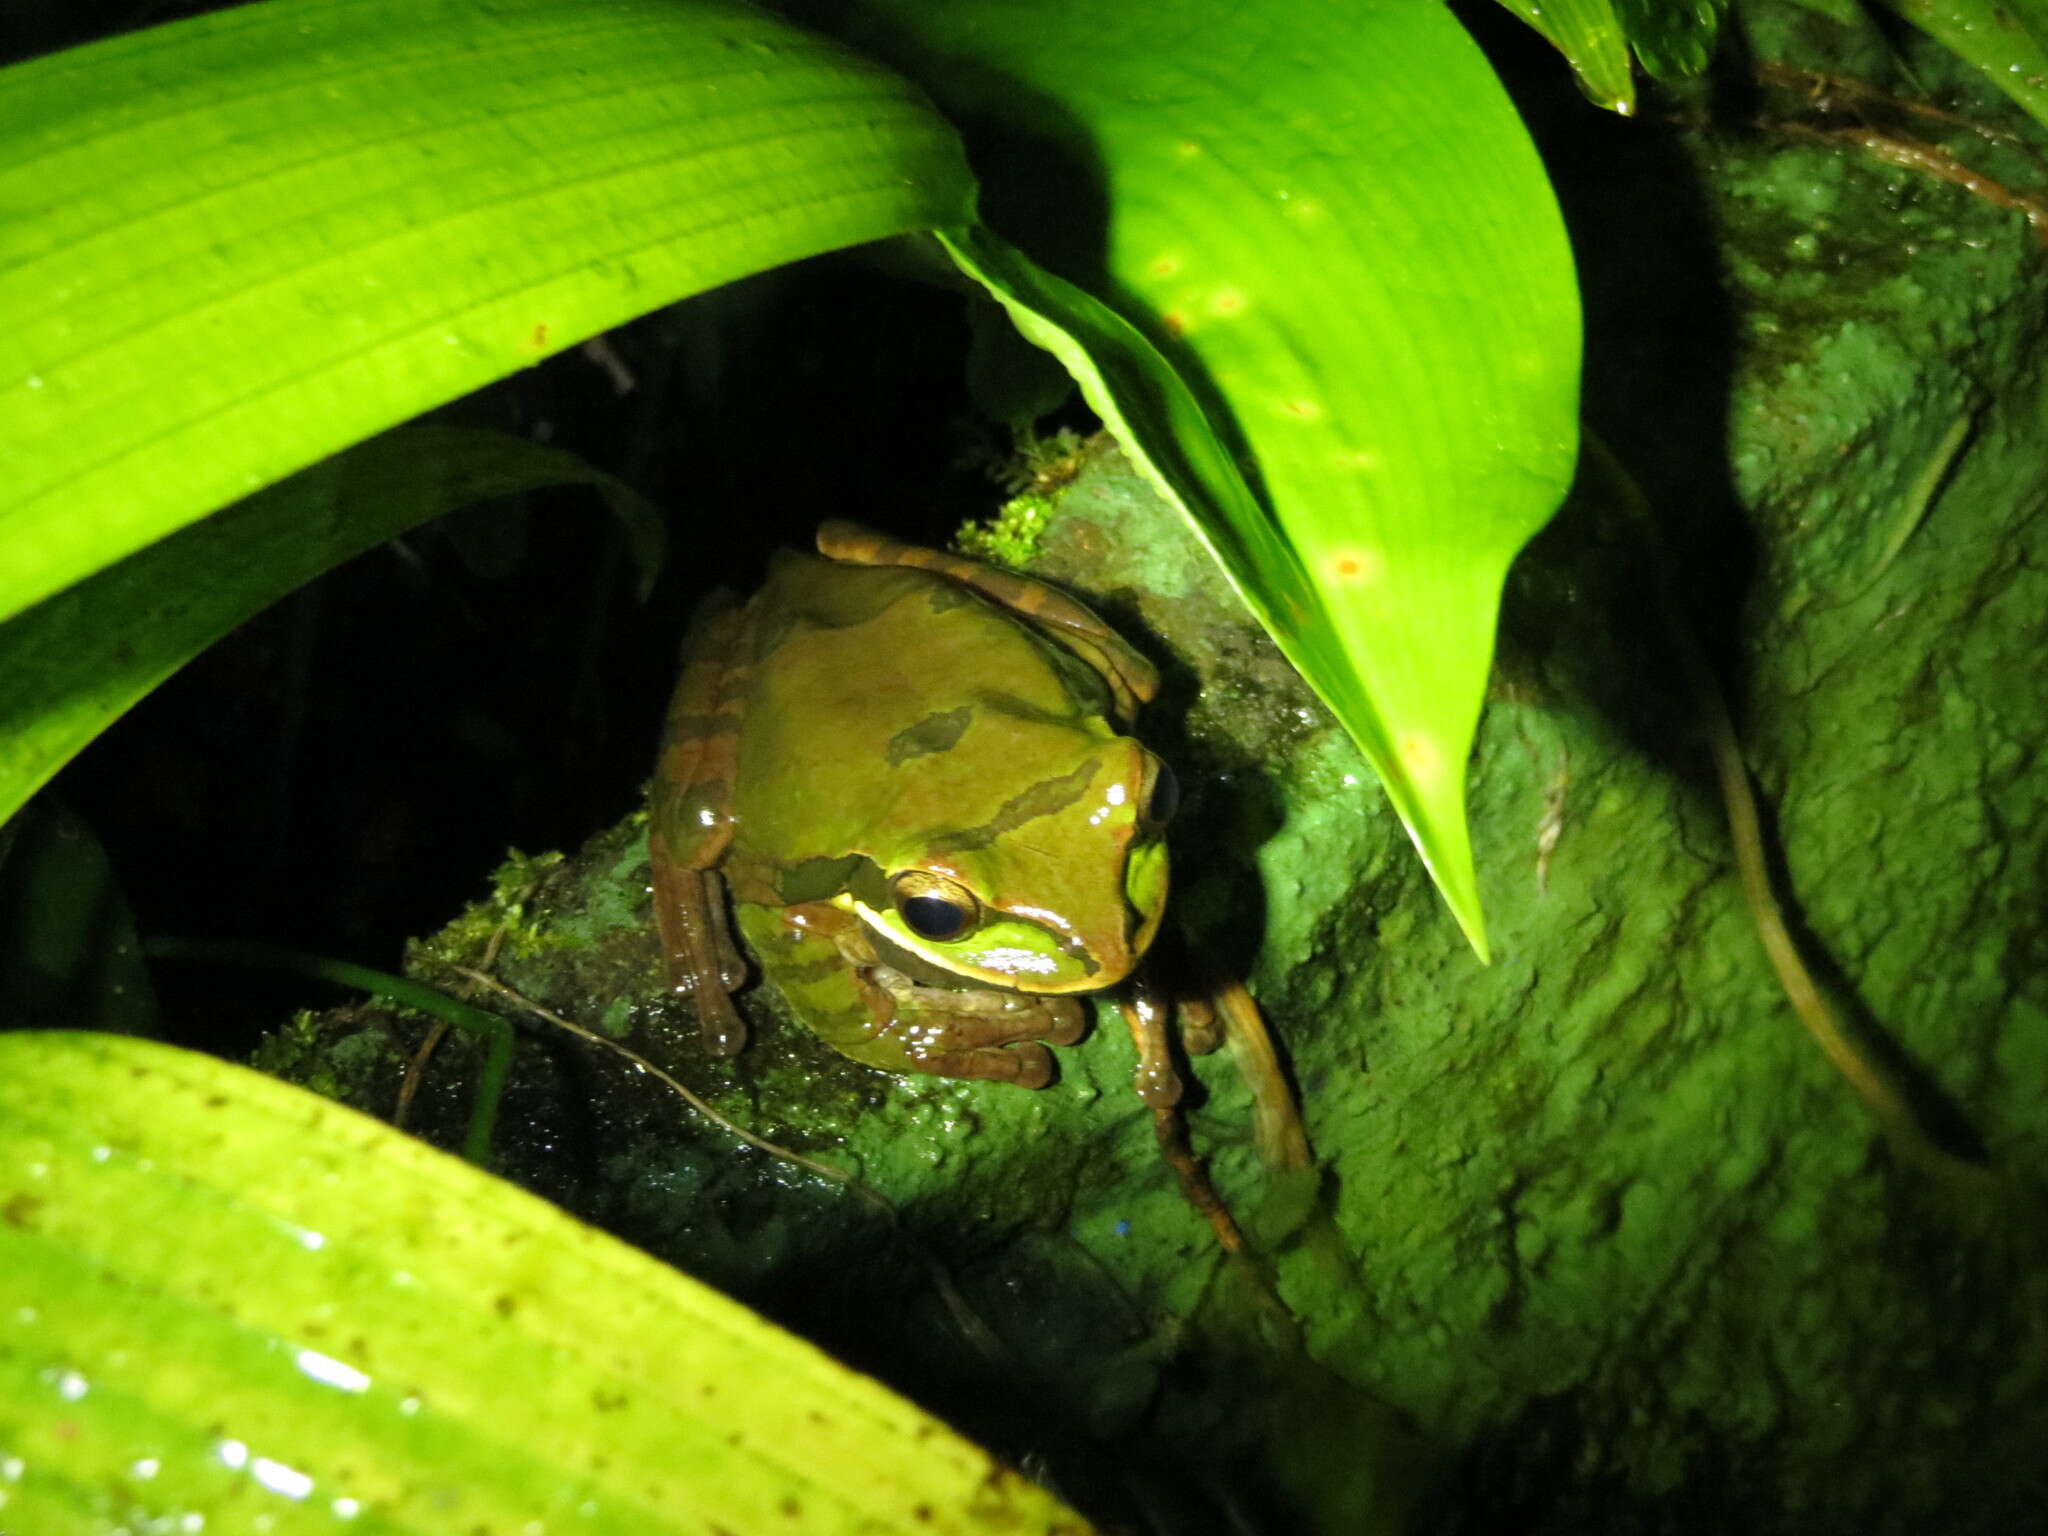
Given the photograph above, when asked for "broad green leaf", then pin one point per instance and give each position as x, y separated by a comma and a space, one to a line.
76, 662
1589, 35
2006, 39
238, 243
228, 1305
1328, 217
1673, 38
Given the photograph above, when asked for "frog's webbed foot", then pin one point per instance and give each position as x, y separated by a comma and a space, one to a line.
995, 1036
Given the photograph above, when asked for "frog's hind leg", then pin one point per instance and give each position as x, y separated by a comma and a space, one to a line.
690, 822
1158, 1084
1131, 678
1225, 1014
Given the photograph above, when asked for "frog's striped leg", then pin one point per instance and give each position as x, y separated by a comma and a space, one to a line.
1145, 1011
1276, 1122
690, 823
821, 961
1132, 679
1211, 1010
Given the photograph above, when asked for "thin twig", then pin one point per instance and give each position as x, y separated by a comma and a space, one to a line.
823, 1170
1931, 160
416, 1071
970, 1322
1885, 1099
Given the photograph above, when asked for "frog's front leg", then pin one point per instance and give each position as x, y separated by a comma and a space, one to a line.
690, 824
822, 962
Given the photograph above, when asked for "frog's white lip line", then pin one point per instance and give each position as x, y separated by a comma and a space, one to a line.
1048, 920
1029, 966
1018, 962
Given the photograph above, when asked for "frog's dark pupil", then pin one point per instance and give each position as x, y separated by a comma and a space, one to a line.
1165, 797
932, 917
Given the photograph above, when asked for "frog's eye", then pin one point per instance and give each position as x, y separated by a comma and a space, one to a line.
1165, 797
933, 907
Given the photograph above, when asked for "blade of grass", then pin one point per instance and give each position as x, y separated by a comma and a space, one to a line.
1589, 35
492, 1030
73, 664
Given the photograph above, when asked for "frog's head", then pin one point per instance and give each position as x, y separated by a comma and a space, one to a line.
1060, 890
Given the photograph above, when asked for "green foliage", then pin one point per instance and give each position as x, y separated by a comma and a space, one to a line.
1374, 298
2006, 39
75, 662
1331, 313
1341, 332
1011, 536
239, 243
1673, 38
1343, 338
353, 1326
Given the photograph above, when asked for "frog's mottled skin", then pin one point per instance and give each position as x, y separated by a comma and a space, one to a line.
892, 731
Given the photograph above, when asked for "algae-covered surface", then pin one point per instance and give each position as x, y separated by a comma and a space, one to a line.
1596, 1238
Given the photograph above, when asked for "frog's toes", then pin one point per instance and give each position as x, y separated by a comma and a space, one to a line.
1028, 1065
1004, 1046
1063, 1021
930, 1020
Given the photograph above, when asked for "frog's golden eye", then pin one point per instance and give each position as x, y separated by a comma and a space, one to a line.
933, 907
1165, 798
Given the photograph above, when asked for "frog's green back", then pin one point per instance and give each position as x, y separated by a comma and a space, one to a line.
889, 705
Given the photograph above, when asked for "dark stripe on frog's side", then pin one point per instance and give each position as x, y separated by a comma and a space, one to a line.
689, 729
945, 596
828, 966
822, 879
1048, 797
934, 733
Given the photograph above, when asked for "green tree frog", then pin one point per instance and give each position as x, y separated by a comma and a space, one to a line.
911, 775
